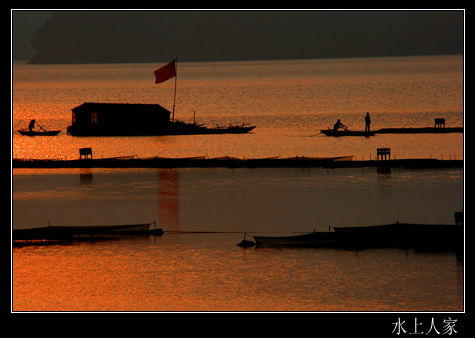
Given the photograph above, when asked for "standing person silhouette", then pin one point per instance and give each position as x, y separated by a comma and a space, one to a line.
367, 121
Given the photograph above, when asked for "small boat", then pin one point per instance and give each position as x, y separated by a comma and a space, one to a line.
182, 128
74, 232
42, 132
26, 132
401, 229
436, 236
237, 129
398, 235
306, 240
346, 132
246, 243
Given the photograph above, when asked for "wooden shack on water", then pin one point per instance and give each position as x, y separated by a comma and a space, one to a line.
119, 119
134, 119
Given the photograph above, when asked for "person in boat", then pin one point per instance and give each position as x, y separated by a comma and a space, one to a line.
31, 125
367, 121
338, 125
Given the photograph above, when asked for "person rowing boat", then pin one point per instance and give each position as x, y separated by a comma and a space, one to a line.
42, 132
31, 125
338, 125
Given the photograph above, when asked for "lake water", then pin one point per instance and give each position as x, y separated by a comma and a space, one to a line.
289, 102
191, 269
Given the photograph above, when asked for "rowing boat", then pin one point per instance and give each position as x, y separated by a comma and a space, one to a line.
403, 235
346, 132
26, 132
72, 232
408, 235
305, 240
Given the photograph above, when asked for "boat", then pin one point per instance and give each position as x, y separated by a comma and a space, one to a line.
246, 243
52, 232
42, 132
311, 239
182, 128
423, 130
398, 235
26, 132
346, 132
401, 229
407, 235
137, 119
176, 127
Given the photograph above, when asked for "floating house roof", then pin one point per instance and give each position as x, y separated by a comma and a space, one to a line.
117, 108
117, 119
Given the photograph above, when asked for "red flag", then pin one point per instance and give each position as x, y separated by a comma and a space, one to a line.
166, 72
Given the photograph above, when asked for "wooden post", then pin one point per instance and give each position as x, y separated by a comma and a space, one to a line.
174, 96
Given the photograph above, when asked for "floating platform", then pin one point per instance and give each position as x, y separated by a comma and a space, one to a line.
231, 162
400, 235
424, 130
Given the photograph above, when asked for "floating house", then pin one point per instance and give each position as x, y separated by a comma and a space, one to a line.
133, 119
118, 119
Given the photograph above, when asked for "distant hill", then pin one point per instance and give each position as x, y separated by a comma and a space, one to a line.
155, 36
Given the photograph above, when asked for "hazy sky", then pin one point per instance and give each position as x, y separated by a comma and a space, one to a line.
134, 36
24, 25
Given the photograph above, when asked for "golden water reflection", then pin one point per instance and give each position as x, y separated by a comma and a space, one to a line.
209, 273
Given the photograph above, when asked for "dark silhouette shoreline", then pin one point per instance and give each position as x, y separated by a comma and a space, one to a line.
230, 162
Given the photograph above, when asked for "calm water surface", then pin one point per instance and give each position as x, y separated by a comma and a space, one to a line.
207, 271
289, 102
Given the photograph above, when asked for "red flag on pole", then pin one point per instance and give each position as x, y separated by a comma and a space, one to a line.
166, 72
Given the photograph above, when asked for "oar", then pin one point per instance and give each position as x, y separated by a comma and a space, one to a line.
41, 127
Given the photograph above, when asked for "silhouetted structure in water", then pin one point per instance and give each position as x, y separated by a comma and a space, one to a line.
433, 237
130, 119
77, 232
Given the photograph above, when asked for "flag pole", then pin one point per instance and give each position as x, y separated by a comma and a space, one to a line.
174, 96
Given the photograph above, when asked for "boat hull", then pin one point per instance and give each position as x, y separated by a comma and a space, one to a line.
306, 240
174, 128
74, 232
400, 235
404, 235
336, 133
205, 130
39, 133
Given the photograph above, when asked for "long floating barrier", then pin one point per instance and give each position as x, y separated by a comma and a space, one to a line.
422, 130
230, 162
